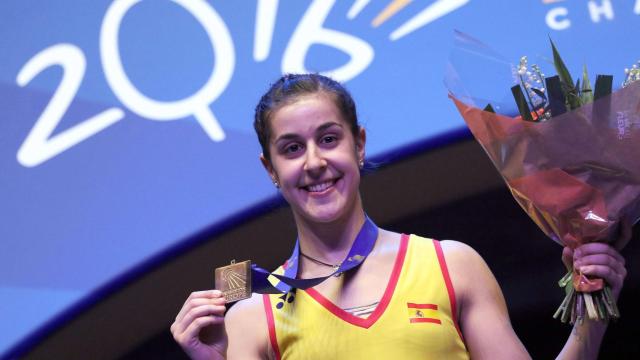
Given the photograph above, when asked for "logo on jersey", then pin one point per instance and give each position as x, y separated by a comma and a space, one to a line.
421, 313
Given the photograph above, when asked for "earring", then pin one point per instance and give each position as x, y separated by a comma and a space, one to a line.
275, 183
361, 164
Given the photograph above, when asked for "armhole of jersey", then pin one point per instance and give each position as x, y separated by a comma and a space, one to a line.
266, 300
449, 284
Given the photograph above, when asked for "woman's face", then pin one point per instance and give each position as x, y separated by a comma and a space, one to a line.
315, 158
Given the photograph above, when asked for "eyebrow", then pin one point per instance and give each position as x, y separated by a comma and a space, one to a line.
320, 129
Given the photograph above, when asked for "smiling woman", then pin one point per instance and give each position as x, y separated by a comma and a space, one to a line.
316, 161
409, 297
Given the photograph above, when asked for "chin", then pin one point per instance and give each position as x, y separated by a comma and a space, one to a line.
331, 208
321, 216
326, 214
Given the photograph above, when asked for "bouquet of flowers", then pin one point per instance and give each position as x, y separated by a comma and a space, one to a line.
570, 155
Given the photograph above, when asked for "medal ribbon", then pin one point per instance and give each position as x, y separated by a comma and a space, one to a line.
362, 246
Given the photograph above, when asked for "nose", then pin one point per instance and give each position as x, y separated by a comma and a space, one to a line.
315, 160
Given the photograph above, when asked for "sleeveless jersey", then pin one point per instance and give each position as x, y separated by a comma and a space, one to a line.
415, 319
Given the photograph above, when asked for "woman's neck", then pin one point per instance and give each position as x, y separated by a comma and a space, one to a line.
329, 242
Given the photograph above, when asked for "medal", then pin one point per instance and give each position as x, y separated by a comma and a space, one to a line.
234, 280
238, 280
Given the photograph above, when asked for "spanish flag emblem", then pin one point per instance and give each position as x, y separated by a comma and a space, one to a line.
420, 313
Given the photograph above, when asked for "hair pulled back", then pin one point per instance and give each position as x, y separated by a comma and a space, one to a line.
293, 86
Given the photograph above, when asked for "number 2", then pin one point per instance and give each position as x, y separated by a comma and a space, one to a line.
39, 146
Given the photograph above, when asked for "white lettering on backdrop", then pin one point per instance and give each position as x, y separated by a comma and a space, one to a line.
558, 18
40, 146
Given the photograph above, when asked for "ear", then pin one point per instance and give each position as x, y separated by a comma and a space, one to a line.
268, 167
361, 140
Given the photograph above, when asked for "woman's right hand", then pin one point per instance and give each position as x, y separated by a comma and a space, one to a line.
199, 326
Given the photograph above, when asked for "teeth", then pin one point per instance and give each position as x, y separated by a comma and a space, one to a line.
320, 187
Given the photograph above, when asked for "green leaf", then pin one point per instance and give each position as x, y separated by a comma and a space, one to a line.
561, 68
571, 96
570, 91
566, 279
586, 94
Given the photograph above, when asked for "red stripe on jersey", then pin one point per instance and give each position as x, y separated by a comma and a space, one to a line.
447, 281
422, 306
271, 324
424, 320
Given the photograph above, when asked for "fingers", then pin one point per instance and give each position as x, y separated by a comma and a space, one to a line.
193, 330
612, 277
602, 261
597, 248
190, 340
202, 308
198, 298
202, 311
199, 312
605, 260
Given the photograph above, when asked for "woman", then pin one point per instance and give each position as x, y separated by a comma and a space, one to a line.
410, 298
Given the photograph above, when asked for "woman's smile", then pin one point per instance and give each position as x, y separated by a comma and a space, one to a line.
318, 188
314, 158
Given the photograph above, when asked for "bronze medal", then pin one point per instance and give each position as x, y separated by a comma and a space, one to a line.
234, 280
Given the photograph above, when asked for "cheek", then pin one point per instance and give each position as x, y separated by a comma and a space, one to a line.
350, 159
286, 172
349, 166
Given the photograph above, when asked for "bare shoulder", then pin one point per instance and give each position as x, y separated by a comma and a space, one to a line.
389, 238
386, 247
252, 306
482, 307
459, 254
246, 326
468, 270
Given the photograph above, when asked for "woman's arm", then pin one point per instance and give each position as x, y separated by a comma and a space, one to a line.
484, 319
483, 315
248, 332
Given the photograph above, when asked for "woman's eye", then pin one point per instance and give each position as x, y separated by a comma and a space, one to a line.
292, 148
328, 139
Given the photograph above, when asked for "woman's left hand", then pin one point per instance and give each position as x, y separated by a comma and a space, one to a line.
598, 260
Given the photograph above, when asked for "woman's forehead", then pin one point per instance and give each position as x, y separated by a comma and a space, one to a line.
306, 113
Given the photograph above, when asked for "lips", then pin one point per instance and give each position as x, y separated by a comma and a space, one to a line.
320, 187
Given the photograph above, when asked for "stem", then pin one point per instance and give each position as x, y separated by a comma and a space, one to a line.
526, 91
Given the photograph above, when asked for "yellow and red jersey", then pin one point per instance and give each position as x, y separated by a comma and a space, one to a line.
415, 319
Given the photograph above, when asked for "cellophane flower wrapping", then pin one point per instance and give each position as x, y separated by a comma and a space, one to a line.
577, 175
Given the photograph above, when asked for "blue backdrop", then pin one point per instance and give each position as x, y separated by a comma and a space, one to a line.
126, 126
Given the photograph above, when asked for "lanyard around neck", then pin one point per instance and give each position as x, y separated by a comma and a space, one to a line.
360, 249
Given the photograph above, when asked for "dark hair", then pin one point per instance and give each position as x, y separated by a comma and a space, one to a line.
292, 86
